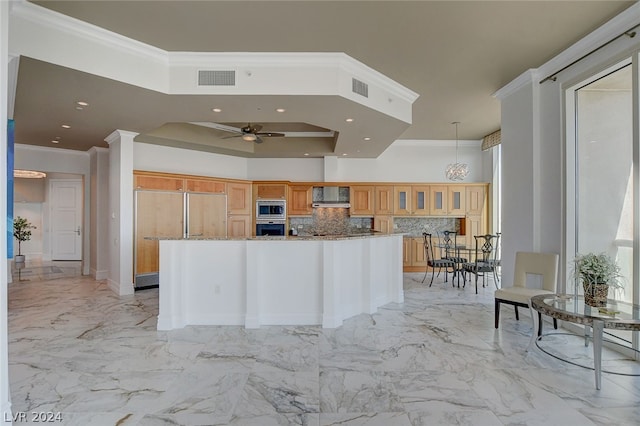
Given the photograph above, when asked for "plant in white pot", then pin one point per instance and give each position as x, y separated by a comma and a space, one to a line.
597, 272
21, 232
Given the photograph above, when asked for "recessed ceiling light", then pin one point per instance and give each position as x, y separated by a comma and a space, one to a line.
79, 108
349, 120
344, 154
216, 110
367, 138
306, 154
82, 103
280, 110
55, 141
66, 126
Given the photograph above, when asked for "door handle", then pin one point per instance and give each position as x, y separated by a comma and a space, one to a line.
78, 231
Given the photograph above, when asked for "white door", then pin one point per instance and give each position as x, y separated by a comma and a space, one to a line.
66, 219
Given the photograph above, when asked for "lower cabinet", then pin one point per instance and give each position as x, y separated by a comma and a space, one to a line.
414, 258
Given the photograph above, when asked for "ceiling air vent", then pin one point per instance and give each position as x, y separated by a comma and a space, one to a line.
360, 87
216, 78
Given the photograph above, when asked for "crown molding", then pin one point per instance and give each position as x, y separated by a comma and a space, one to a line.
77, 28
38, 148
527, 77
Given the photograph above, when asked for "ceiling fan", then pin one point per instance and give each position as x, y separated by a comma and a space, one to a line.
251, 133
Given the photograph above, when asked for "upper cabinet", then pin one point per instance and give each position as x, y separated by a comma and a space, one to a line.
158, 183
402, 200
362, 200
456, 200
383, 199
300, 199
238, 198
271, 190
438, 197
209, 186
420, 200
411, 200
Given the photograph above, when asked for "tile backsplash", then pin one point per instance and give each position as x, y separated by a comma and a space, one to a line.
332, 221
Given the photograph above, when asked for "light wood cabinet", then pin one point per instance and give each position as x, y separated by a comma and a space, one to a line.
419, 200
402, 200
158, 183
362, 200
413, 256
239, 226
383, 224
383, 200
438, 197
271, 190
475, 199
411, 200
157, 214
474, 225
209, 186
300, 199
238, 198
456, 200
206, 215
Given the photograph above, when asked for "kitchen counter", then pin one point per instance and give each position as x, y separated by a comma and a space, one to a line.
292, 280
305, 237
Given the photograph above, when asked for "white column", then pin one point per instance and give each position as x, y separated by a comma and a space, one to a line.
120, 278
99, 222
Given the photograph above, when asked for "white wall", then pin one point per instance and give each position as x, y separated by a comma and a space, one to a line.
173, 160
535, 196
403, 161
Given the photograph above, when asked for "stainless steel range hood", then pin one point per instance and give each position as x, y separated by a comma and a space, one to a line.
329, 196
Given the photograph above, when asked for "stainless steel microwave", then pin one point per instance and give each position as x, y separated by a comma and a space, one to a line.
271, 210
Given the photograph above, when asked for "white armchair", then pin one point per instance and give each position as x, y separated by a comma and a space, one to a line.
527, 263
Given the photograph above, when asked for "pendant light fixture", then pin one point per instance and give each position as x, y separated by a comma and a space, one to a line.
456, 171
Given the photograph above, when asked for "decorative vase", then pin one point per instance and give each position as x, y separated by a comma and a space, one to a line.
19, 258
595, 294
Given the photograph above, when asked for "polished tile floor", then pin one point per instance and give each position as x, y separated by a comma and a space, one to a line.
77, 349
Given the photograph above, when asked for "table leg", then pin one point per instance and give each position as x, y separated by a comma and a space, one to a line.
586, 335
597, 351
536, 326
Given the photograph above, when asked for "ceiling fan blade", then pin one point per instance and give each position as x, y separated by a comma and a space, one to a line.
219, 126
234, 136
271, 134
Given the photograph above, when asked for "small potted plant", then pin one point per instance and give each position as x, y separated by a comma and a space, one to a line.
597, 272
21, 232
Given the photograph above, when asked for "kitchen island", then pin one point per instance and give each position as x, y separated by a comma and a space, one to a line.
277, 280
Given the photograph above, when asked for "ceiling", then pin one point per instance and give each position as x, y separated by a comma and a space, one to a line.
453, 54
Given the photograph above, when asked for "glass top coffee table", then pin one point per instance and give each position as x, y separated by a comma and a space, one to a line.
616, 315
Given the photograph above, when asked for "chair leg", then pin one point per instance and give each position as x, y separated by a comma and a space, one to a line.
517, 317
539, 324
497, 315
476, 283
555, 323
433, 272
425, 274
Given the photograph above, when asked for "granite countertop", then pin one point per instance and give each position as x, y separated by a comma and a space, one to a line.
278, 238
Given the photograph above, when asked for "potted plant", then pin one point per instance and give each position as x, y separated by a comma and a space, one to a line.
597, 272
21, 232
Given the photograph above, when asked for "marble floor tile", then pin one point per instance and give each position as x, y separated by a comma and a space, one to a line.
436, 359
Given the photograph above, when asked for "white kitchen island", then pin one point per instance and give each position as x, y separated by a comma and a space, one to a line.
277, 280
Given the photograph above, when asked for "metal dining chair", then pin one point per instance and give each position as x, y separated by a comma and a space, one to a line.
440, 264
484, 253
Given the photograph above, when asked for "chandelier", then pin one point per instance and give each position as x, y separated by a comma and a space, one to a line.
456, 171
